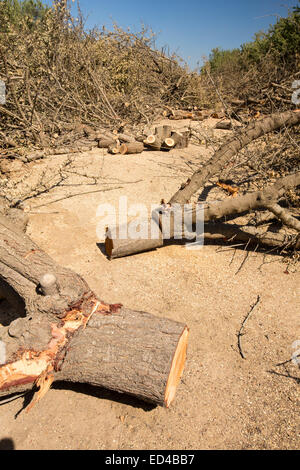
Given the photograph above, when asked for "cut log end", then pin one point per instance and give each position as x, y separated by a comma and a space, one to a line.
153, 141
176, 367
109, 246
114, 149
169, 142
116, 247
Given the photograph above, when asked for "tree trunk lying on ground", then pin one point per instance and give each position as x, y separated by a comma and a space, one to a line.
263, 199
131, 147
251, 201
105, 143
114, 148
231, 147
212, 211
64, 332
178, 140
153, 142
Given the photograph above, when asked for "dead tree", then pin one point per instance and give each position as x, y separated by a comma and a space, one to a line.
62, 331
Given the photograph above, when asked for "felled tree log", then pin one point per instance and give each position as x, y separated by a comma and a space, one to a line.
153, 142
230, 148
39, 154
131, 147
168, 144
257, 200
283, 215
129, 352
165, 138
178, 114
181, 139
117, 247
140, 137
250, 235
181, 114
114, 141
225, 125
163, 132
106, 142
178, 140
64, 332
114, 148
266, 198
126, 138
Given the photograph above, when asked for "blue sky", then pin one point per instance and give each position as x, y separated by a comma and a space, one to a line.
189, 27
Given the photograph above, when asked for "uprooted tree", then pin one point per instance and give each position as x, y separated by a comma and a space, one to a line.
265, 199
62, 331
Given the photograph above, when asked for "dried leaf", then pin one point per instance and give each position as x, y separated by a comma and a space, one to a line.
230, 189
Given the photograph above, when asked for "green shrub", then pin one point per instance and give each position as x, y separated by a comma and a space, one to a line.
281, 42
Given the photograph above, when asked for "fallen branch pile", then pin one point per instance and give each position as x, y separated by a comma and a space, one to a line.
57, 73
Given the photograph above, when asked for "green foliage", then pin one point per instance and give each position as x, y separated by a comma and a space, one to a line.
220, 59
254, 51
284, 36
17, 13
281, 42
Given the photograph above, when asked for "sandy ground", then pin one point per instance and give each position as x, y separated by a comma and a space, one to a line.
223, 400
